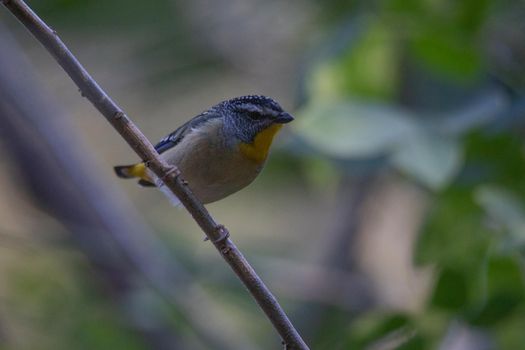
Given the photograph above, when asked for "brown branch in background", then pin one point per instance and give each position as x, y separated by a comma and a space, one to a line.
338, 254
124, 252
48, 184
169, 174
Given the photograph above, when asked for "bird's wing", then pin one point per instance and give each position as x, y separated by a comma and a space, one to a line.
175, 137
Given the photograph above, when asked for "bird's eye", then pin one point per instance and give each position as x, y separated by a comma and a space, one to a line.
255, 115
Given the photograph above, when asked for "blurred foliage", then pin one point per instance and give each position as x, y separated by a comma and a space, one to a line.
415, 83
429, 89
63, 310
153, 32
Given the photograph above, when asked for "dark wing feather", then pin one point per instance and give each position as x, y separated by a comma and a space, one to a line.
175, 137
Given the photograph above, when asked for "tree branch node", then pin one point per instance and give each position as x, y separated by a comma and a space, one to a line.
172, 171
118, 115
224, 235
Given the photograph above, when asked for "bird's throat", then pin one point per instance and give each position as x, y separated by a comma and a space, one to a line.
258, 149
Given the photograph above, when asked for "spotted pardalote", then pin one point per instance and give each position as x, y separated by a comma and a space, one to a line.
219, 151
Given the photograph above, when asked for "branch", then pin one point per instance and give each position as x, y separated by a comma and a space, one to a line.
56, 170
169, 174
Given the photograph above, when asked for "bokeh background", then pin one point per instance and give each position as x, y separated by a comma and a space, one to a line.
391, 213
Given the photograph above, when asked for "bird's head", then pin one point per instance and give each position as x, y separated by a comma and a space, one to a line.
254, 120
250, 115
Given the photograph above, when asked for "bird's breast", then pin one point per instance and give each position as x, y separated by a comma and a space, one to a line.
213, 168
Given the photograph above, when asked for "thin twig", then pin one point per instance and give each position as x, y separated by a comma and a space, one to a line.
56, 171
140, 144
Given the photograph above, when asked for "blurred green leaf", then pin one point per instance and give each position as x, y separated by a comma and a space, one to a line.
374, 327
431, 56
472, 14
360, 130
368, 68
445, 37
450, 292
454, 227
496, 308
505, 277
509, 332
418, 342
505, 209
408, 7
97, 16
353, 129
497, 158
53, 298
321, 174
505, 288
429, 158
443, 51
334, 331
99, 332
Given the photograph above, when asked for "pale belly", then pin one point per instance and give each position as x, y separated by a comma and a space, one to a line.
213, 171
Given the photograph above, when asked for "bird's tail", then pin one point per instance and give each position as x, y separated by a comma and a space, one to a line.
134, 171
146, 179
130, 171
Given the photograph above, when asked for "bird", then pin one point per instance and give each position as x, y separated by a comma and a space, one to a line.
219, 151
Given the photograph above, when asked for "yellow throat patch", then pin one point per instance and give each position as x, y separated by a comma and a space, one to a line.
258, 149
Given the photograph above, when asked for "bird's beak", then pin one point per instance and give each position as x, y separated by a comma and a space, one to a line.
283, 118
